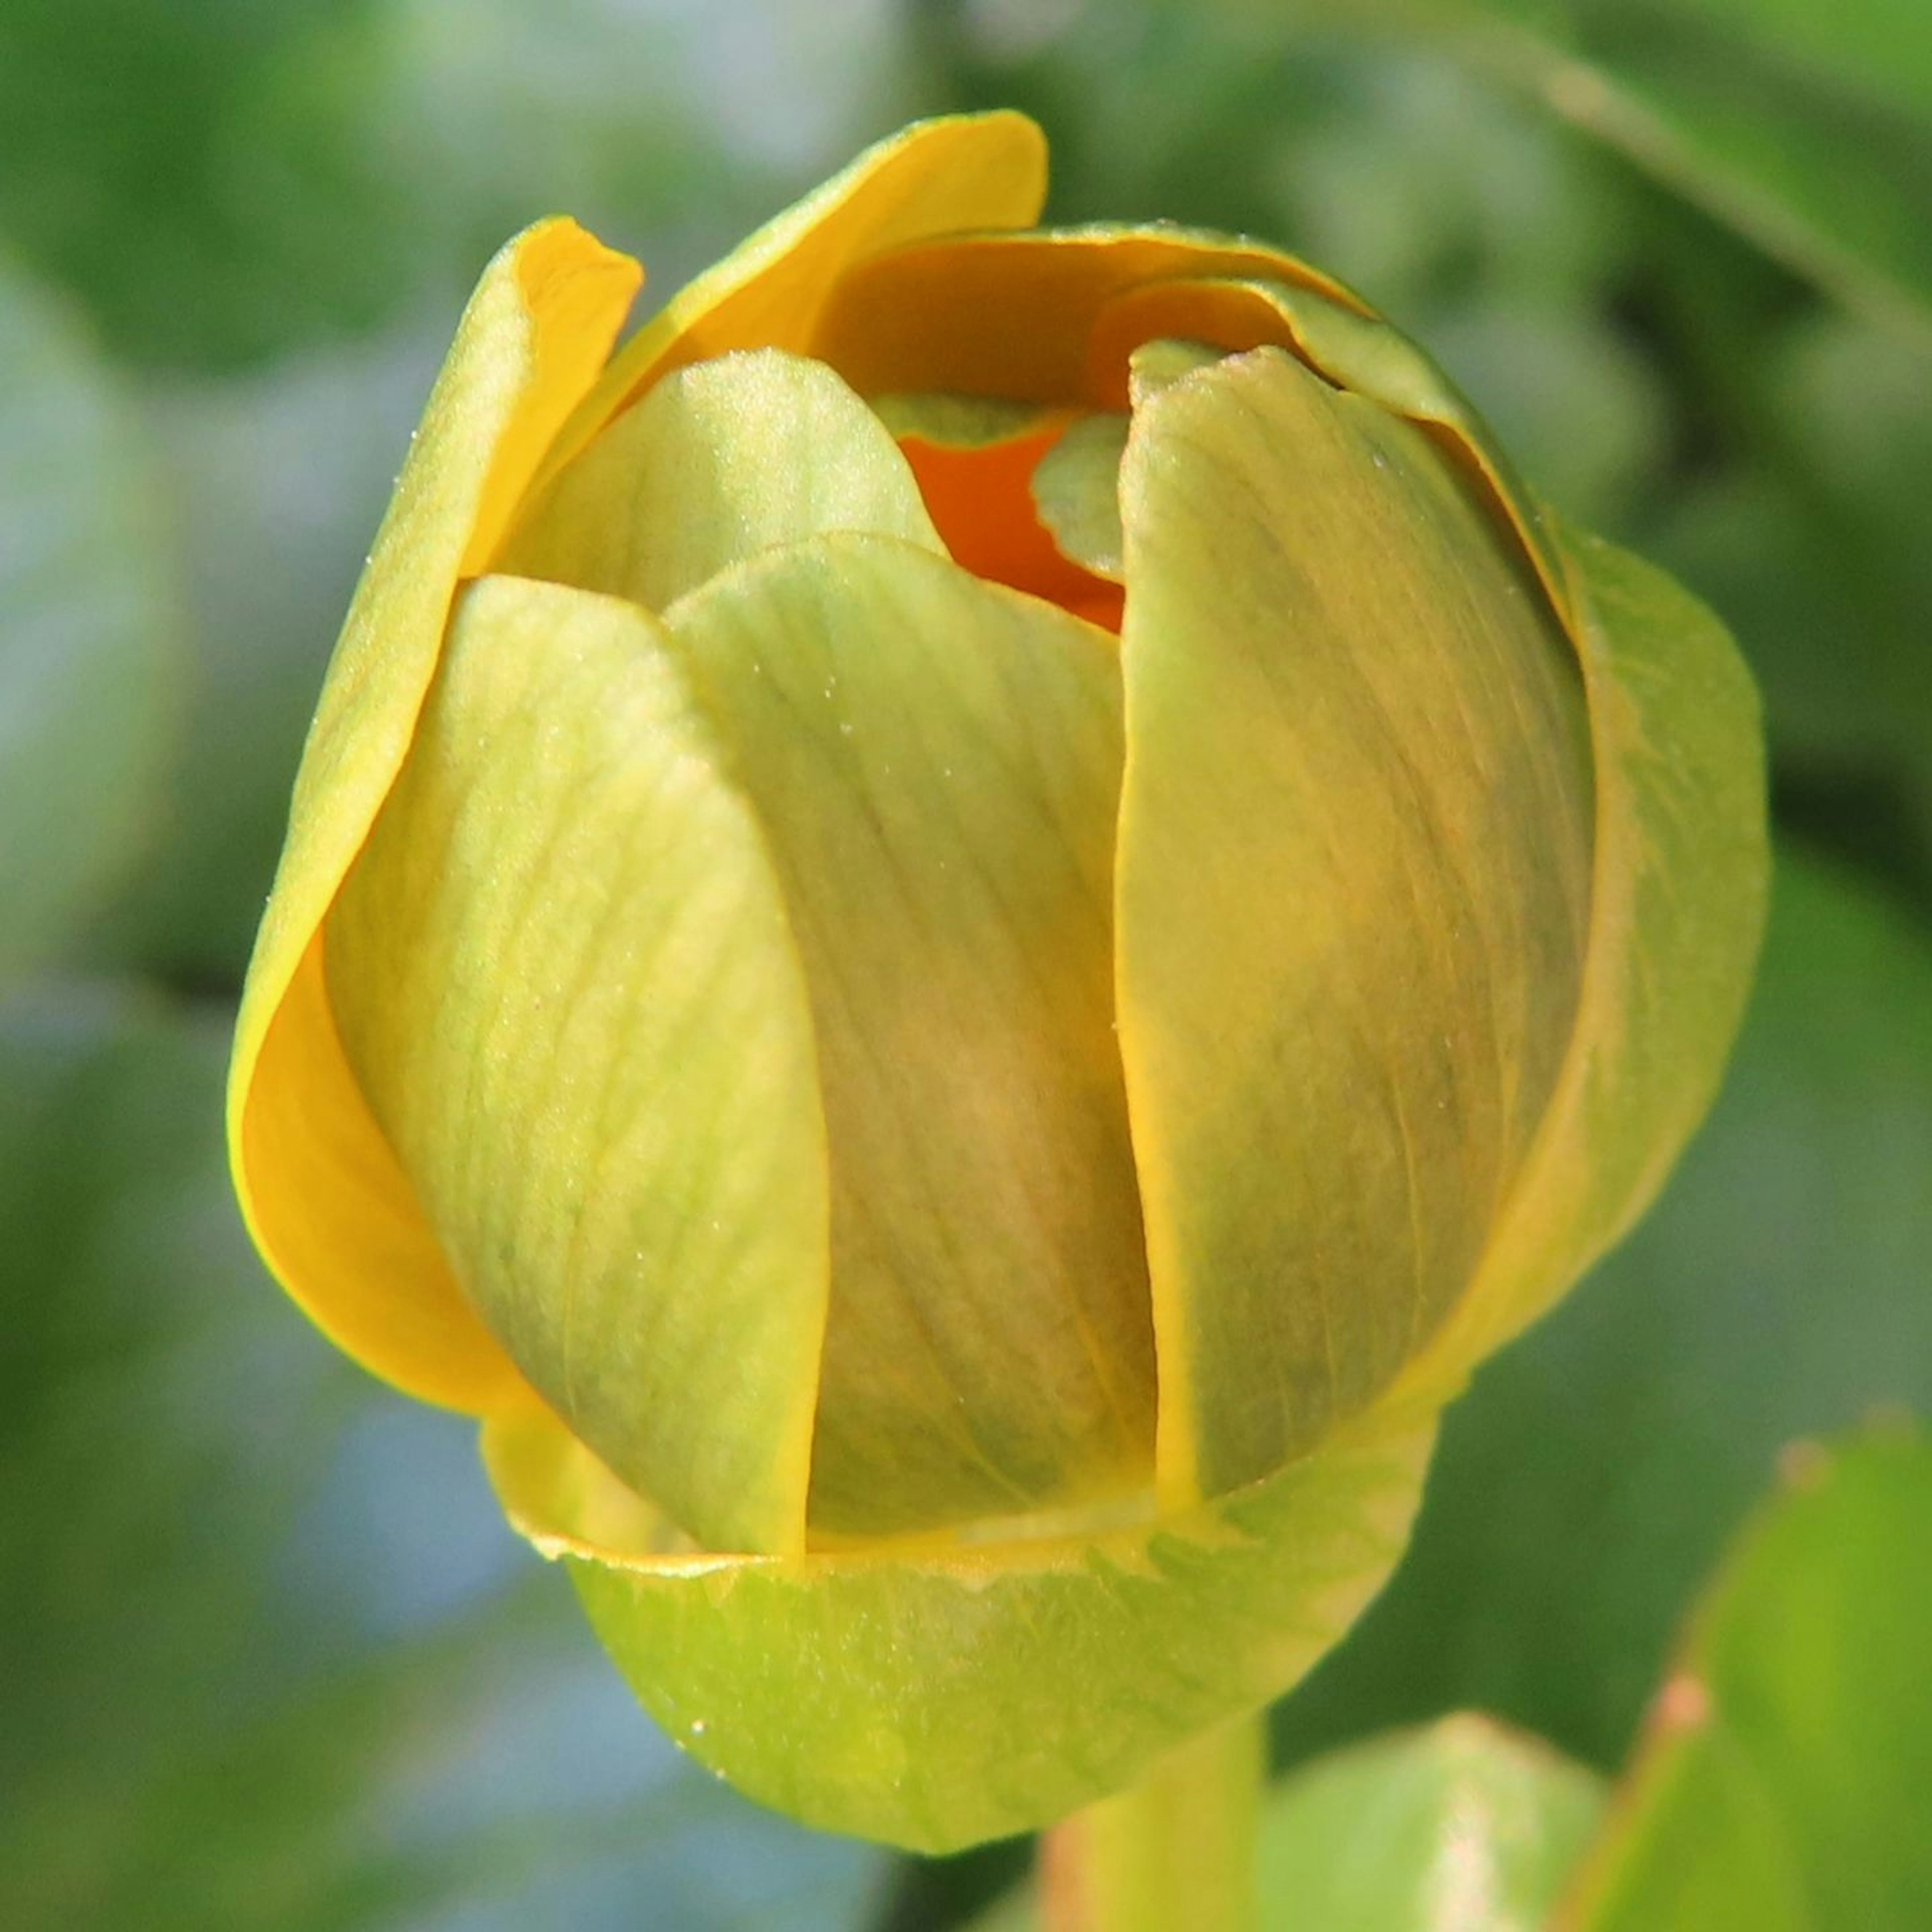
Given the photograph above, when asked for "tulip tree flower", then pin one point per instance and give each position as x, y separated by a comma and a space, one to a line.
955, 935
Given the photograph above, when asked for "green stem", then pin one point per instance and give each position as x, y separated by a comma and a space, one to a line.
1174, 1854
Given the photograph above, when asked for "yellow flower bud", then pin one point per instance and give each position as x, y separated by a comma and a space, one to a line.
955, 934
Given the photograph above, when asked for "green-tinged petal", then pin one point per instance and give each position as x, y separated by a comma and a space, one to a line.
1681, 874
937, 177
715, 464
938, 1698
565, 977
947, 421
1353, 886
329, 1208
1076, 493
1464, 1827
1782, 1786
937, 761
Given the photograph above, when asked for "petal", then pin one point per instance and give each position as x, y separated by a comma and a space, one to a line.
1356, 350
937, 762
716, 462
1353, 882
981, 497
330, 1210
937, 1698
1010, 315
937, 177
1076, 493
1682, 876
565, 977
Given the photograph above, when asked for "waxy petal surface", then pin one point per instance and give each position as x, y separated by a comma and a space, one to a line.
1354, 890
565, 977
937, 177
1012, 315
331, 1210
1682, 873
715, 464
937, 762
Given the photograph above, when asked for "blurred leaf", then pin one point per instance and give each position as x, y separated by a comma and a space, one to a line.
1813, 543
274, 1663
1783, 1781
278, 481
1585, 1483
1463, 1827
86, 618
1809, 129
221, 180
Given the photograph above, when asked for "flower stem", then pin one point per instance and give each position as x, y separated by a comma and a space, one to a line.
1176, 1853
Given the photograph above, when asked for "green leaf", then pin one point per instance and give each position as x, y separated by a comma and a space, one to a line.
1588, 1482
935, 763
87, 618
1784, 1779
563, 872
1464, 1827
1351, 939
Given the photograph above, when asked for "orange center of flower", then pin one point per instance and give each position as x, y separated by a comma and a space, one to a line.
981, 502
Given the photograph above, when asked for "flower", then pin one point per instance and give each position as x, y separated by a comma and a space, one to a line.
954, 935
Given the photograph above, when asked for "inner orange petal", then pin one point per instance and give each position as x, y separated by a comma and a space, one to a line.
981, 502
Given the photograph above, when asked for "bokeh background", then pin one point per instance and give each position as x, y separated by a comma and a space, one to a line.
267, 1657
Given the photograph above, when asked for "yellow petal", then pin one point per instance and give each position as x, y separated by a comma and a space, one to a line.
328, 1208
1682, 869
1355, 350
1354, 875
936, 764
1010, 315
715, 464
564, 974
937, 177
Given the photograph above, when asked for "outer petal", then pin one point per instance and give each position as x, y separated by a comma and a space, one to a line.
1681, 875
937, 177
563, 972
938, 1697
328, 1207
1353, 888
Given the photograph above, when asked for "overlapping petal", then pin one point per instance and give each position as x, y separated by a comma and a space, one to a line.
331, 1211
565, 977
1354, 889
1681, 867
936, 762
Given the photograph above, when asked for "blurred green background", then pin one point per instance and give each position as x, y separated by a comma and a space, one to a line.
270, 1658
